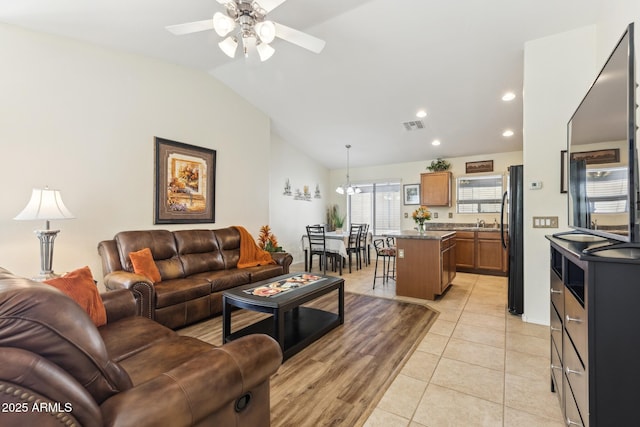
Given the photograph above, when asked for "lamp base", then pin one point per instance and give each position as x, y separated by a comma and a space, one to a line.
46, 238
44, 276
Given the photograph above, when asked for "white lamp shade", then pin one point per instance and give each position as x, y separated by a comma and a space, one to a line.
340, 190
223, 24
266, 31
265, 51
229, 46
45, 204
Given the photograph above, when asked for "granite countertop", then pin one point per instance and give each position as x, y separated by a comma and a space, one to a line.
444, 226
427, 235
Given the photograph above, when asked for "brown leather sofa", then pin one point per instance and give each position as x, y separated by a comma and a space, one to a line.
196, 266
58, 369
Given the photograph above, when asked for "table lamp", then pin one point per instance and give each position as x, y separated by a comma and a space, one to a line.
45, 205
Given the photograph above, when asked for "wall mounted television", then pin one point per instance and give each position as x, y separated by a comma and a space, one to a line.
602, 154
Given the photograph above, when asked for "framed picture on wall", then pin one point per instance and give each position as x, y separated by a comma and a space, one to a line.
481, 166
563, 171
184, 183
411, 194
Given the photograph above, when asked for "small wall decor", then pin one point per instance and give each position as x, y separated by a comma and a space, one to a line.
411, 194
317, 193
184, 183
610, 155
481, 166
287, 188
304, 195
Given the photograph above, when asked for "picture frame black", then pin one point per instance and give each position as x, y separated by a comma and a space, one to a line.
184, 184
563, 171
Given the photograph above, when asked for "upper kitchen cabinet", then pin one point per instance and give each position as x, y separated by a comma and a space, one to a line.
435, 189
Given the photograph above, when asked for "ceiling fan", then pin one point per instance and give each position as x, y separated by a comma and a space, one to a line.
245, 21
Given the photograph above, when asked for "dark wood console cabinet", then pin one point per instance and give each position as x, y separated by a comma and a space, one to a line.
595, 331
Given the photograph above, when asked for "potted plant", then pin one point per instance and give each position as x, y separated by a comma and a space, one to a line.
334, 219
439, 165
267, 240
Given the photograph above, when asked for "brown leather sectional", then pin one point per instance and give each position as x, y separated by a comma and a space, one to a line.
58, 369
196, 266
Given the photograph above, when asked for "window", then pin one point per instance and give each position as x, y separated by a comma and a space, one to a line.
607, 190
378, 205
481, 194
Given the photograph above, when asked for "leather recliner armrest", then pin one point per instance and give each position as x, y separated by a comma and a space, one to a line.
282, 258
201, 386
141, 286
119, 304
36, 381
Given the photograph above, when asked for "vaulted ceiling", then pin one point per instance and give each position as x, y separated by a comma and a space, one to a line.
384, 60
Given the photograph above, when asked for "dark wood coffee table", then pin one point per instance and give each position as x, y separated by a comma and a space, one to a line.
292, 325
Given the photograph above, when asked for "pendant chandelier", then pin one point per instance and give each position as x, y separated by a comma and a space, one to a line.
348, 189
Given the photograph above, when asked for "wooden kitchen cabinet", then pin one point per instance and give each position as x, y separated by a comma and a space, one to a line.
481, 252
435, 189
465, 249
489, 251
425, 263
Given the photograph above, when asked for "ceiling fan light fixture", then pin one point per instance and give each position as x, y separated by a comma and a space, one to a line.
266, 31
265, 51
248, 44
223, 24
229, 46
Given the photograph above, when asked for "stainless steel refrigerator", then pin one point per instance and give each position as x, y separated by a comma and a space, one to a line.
512, 237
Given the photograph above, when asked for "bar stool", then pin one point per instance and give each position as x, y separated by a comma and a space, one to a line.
391, 245
386, 254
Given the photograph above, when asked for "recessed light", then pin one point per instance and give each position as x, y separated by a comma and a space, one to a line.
421, 114
435, 142
509, 96
507, 133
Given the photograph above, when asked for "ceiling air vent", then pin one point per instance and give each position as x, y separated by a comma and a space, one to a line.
413, 125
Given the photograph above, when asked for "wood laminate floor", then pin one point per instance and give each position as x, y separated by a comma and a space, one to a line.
339, 379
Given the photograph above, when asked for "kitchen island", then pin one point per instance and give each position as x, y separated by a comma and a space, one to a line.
425, 262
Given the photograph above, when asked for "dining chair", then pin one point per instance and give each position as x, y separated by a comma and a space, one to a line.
385, 253
318, 246
353, 246
365, 246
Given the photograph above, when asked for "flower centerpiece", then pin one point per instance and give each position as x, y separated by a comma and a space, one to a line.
421, 215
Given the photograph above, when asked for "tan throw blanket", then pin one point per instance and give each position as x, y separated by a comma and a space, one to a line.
250, 253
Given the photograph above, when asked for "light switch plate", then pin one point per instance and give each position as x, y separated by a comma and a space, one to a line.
545, 222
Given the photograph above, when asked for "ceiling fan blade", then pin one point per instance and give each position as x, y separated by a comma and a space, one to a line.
191, 27
269, 5
299, 38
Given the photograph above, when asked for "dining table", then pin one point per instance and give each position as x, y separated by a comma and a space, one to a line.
335, 242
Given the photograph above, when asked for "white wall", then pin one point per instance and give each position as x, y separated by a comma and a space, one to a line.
288, 216
82, 119
558, 71
409, 173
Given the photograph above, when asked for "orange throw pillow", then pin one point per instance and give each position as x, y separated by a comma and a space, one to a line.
80, 286
144, 264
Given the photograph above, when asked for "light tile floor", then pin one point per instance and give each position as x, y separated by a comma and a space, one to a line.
477, 366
